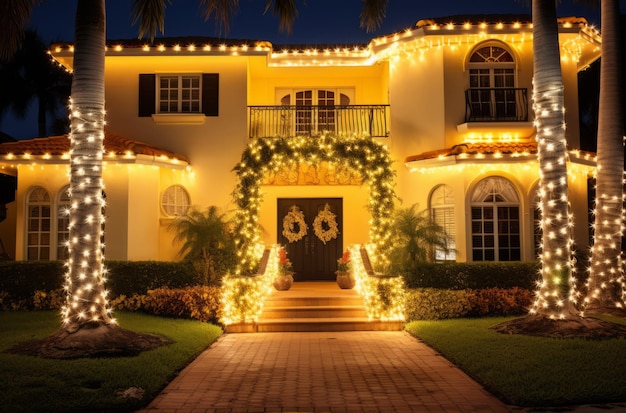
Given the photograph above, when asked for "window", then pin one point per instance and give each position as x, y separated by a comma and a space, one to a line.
179, 93
38, 225
442, 212
495, 221
315, 110
175, 201
492, 93
63, 223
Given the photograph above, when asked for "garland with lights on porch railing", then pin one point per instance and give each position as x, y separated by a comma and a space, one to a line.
263, 155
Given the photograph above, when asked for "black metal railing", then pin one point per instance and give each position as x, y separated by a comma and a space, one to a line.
496, 105
266, 121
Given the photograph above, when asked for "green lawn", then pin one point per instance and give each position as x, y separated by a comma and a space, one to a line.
31, 384
531, 371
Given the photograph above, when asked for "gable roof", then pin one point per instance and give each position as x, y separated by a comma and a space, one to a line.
59, 146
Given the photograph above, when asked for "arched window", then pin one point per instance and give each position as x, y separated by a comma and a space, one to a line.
175, 201
442, 212
63, 222
38, 208
495, 221
492, 94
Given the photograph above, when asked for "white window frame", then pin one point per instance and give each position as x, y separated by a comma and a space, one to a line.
181, 201
508, 197
40, 247
180, 89
442, 212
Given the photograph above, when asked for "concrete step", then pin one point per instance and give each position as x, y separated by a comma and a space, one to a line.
319, 311
314, 307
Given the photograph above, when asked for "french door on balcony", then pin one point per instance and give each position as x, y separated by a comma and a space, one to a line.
315, 110
492, 93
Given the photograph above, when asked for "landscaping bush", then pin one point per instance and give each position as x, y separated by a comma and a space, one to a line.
137, 277
199, 303
24, 284
438, 304
474, 275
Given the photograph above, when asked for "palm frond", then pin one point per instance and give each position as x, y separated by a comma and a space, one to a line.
13, 15
221, 10
373, 14
287, 13
151, 17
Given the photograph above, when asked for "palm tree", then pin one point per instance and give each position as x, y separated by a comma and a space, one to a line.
87, 310
606, 286
415, 236
553, 299
30, 76
207, 241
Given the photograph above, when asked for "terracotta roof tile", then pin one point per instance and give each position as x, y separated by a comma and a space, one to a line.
504, 148
60, 145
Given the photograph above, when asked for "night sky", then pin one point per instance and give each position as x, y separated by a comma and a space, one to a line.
319, 22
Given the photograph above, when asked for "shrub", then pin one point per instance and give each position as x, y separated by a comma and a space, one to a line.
437, 304
20, 279
499, 302
475, 275
137, 277
200, 302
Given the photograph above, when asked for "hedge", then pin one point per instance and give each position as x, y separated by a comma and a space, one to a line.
474, 275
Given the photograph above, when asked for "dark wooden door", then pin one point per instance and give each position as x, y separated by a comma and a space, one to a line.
312, 259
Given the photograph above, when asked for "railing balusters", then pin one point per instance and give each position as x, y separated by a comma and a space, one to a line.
266, 121
496, 105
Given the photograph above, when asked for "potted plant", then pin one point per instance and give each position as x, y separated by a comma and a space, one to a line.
284, 277
345, 278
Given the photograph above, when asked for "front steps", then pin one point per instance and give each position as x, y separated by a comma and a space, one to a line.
315, 306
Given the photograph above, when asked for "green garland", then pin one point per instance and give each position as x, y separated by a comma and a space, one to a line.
263, 155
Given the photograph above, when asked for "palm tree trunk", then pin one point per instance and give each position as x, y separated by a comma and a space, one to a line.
552, 299
606, 280
87, 303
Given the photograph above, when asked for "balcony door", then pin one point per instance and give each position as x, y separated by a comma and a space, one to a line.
315, 109
310, 229
492, 82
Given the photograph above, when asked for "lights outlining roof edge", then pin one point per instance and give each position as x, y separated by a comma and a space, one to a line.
378, 49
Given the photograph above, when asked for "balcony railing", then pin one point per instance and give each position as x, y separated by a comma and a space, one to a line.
496, 105
266, 121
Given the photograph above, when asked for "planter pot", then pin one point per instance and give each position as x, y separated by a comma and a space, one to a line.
283, 282
345, 280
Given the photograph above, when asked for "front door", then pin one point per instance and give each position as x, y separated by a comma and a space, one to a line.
310, 229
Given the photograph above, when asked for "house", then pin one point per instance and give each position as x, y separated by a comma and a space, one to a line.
449, 100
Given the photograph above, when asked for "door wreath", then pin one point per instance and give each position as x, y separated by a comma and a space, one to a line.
293, 217
325, 216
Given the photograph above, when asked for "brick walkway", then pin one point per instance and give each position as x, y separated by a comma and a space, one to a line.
323, 372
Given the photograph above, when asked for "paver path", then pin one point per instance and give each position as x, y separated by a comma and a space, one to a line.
323, 372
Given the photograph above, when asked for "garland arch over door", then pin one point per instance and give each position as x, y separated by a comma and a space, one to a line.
362, 154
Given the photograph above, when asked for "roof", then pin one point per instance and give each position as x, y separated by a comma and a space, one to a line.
60, 146
512, 149
505, 148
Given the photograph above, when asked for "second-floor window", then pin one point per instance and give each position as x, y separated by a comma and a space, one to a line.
315, 111
196, 93
179, 93
492, 94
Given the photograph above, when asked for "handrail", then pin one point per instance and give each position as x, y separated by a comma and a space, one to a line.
496, 105
290, 120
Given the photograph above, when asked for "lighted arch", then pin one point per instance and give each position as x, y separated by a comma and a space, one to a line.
362, 154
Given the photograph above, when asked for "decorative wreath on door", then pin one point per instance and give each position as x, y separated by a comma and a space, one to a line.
293, 217
326, 217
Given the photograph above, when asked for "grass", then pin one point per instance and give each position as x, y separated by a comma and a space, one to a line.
31, 384
531, 371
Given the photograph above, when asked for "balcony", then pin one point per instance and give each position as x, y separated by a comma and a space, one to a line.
496, 113
496, 105
267, 121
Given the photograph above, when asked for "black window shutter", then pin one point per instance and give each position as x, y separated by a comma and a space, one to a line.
147, 94
210, 94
